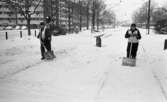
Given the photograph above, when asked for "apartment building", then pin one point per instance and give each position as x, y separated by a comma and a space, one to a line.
12, 16
64, 12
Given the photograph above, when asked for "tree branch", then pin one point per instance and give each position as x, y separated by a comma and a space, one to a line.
36, 7
15, 5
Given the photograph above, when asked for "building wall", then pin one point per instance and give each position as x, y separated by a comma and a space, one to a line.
60, 10
65, 12
12, 17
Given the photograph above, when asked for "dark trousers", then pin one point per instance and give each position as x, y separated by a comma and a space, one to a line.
45, 45
132, 50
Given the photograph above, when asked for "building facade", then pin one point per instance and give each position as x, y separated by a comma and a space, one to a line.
12, 17
66, 13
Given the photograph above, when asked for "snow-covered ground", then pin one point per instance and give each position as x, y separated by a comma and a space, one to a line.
82, 72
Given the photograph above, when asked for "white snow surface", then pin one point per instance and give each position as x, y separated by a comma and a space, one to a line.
82, 72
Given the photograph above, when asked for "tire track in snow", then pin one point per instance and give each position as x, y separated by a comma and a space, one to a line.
103, 82
153, 60
105, 77
160, 85
20, 70
101, 86
5, 62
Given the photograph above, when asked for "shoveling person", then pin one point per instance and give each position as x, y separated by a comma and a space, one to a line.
45, 35
133, 35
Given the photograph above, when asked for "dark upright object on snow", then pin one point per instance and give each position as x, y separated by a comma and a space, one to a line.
21, 34
6, 35
98, 41
165, 45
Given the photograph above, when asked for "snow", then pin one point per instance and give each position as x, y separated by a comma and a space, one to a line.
83, 72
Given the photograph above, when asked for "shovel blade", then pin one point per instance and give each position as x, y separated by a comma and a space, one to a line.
128, 62
49, 55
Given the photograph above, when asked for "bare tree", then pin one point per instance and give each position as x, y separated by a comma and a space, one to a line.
88, 13
159, 14
80, 15
108, 17
159, 18
26, 8
98, 6
141, 14
69, 6
57, 12
93, 14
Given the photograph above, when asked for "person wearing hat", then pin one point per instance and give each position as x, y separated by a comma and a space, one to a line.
45, 35
133, 35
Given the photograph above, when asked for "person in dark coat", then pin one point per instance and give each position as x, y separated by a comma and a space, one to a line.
45, 35
133, 35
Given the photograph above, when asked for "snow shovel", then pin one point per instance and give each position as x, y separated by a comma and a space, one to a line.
48, 55
129, 61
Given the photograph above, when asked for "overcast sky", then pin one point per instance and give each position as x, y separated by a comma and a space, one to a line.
125, 8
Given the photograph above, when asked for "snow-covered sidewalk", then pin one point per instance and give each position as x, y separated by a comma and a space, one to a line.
82, 72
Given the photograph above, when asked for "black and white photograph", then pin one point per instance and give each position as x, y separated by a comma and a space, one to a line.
83, 50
